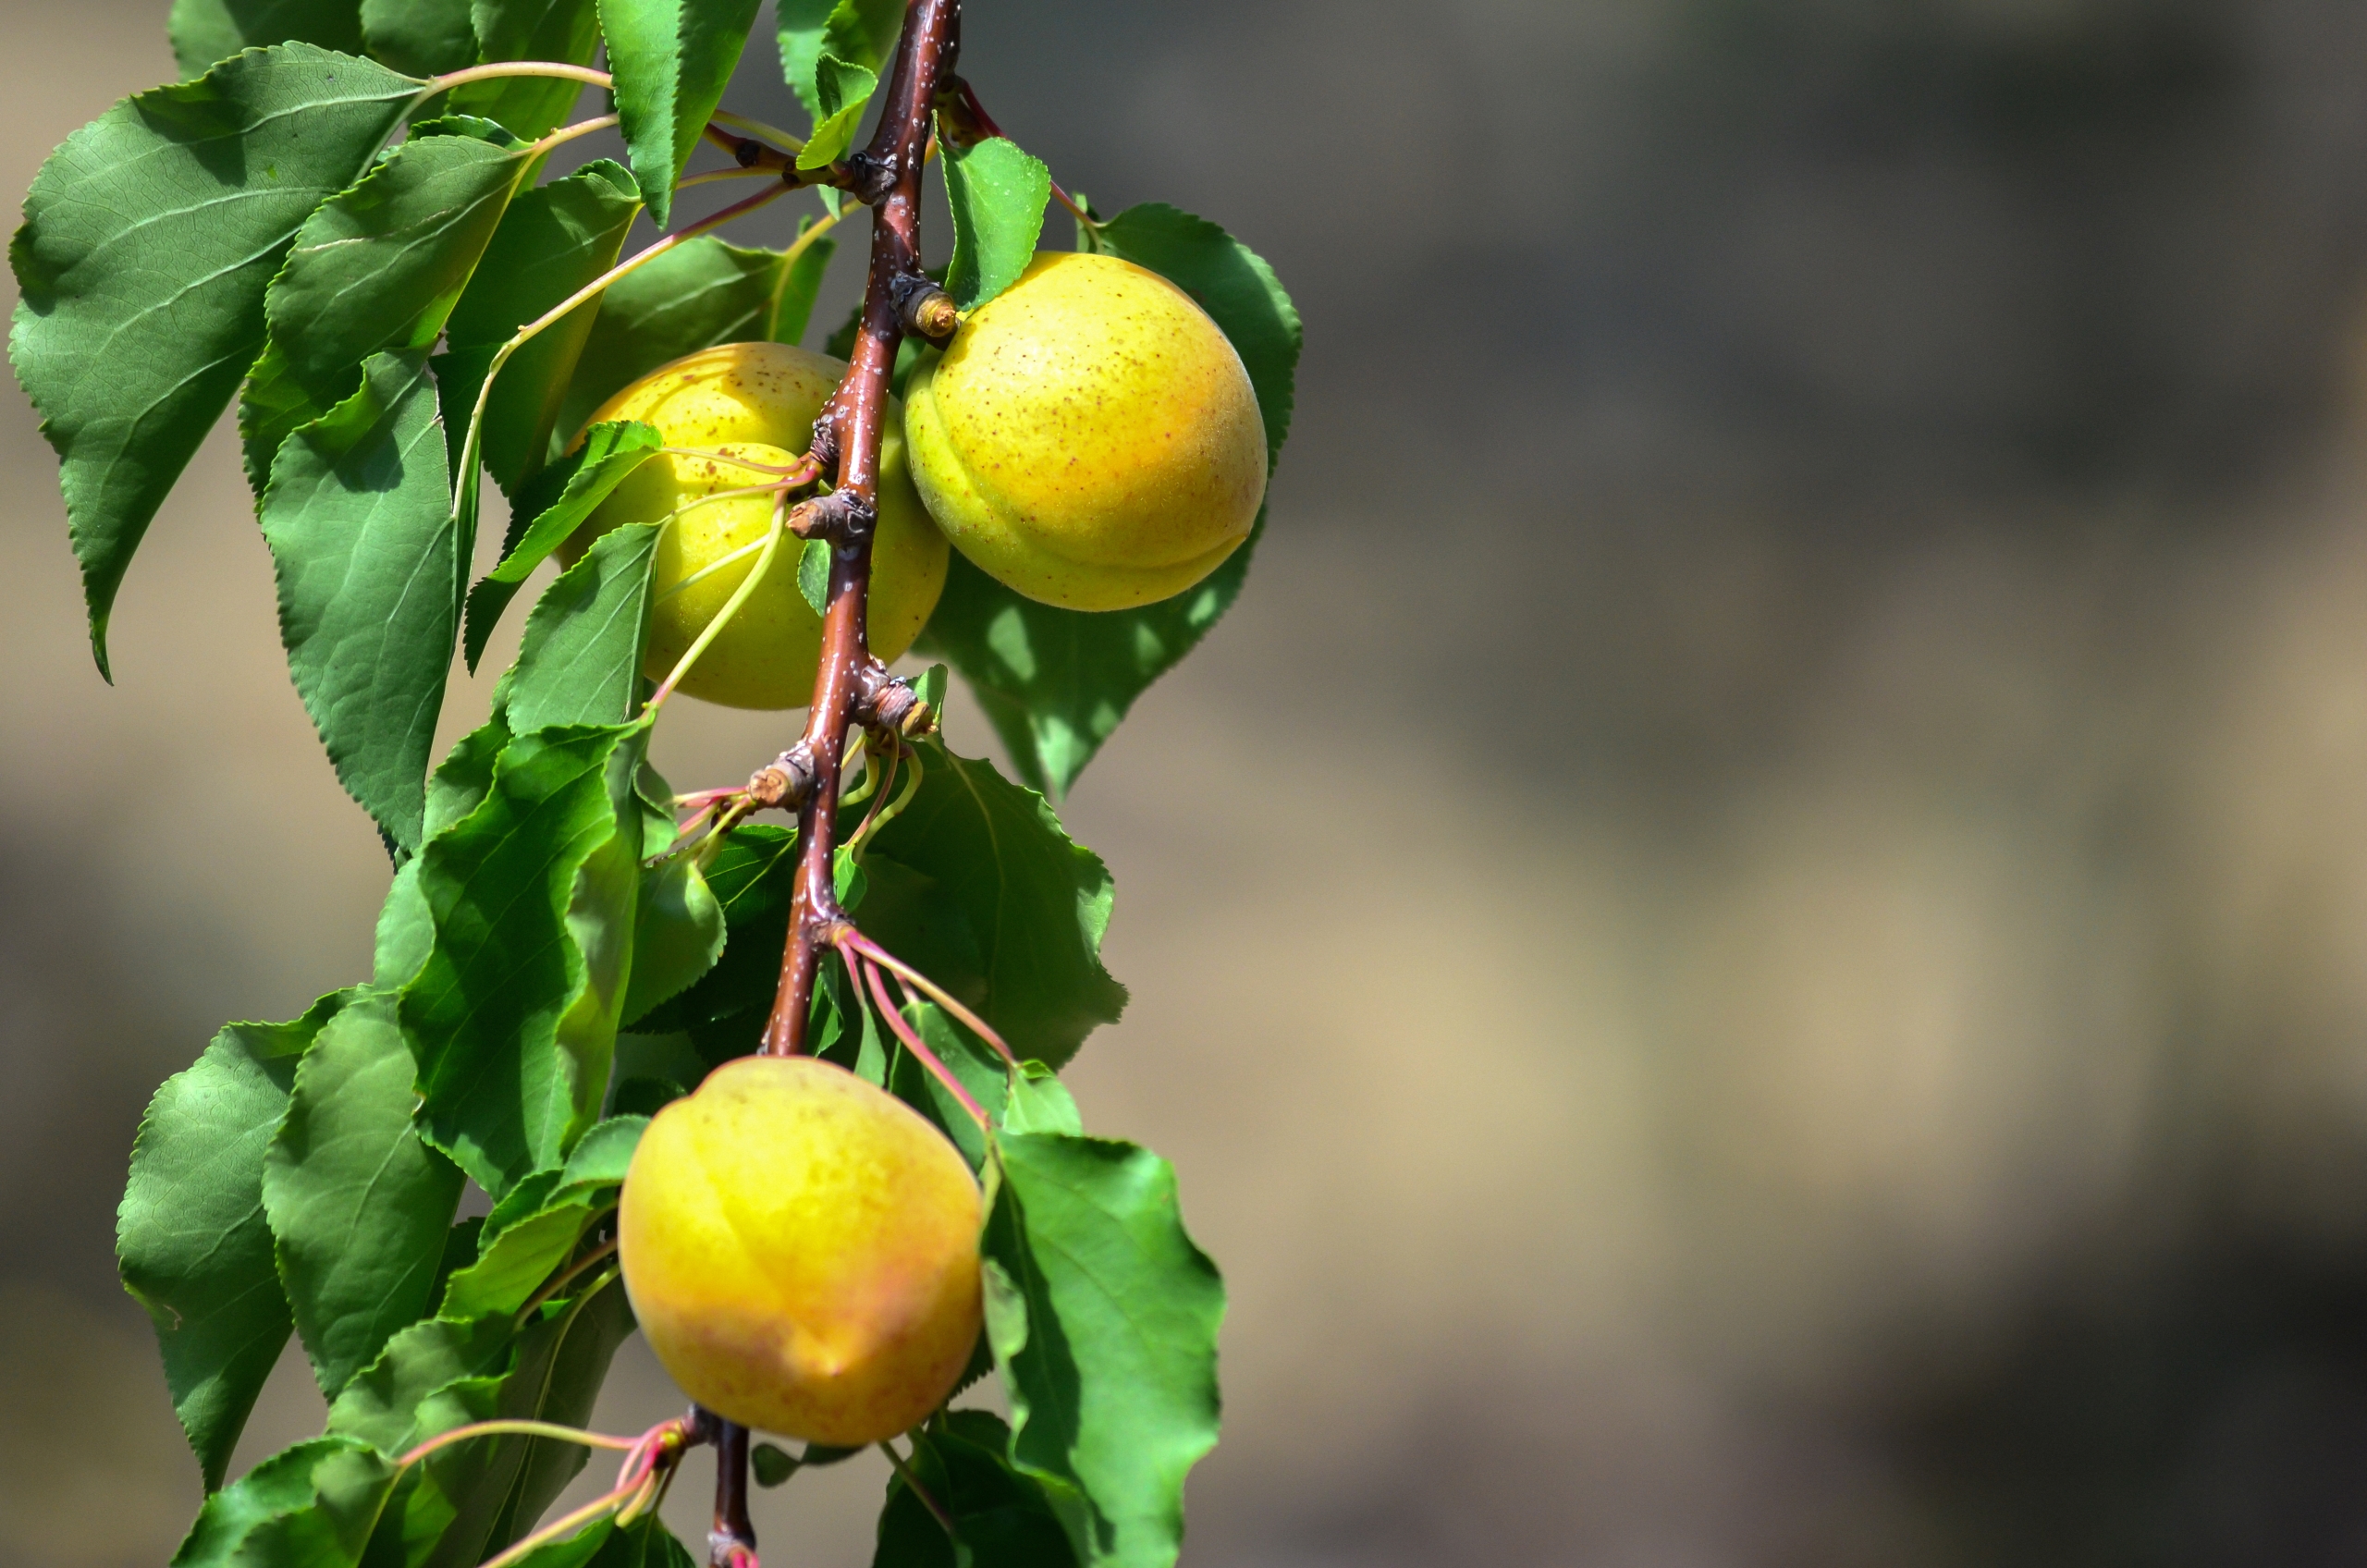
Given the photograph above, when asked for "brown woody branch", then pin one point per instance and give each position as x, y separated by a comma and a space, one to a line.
850, 686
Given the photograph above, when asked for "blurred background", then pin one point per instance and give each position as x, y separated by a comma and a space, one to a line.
1854, 509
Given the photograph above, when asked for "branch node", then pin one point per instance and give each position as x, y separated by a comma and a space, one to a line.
785, 783
887, 704
927, 311
870, 179
842, 516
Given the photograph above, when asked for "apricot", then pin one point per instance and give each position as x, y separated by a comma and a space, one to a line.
1089, 438
802, 1250
757, 401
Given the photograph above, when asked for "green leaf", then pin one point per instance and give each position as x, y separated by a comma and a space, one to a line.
842, 90
972, 1062
557, 503
420, 37
580, 662
797, 285
359, 1206
1039, 1102
149, 240
693, 296
814, 575
516, 1262
513, 1015
408, 1395
1104, 1317
673, 60
862, 32
604, 1155
380, 266
272, 405
190, 1236
770, 1465
357, 517
285, 1512
1001, 1517
644, 1543
203, 31
678, 934
1036, 902
751, 877
553, 241
997, 194
564, 31
1056, 683
561, 1363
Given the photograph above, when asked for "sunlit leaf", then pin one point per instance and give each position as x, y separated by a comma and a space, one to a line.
358, 1204
553, 241
551, 509
513, 1014
997, 194
357, 517
191, 1235
1103, 1314
671, 59
150, 238
580, 662
842, 89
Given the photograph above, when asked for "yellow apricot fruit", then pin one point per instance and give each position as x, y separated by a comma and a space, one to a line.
755, 401
802, 1250
1089, 438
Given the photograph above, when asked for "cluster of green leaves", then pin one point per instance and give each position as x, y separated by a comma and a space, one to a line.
314, 226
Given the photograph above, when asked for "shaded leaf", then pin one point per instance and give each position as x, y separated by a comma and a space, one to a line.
190, 1236
796, 285
420, 37
513, 1014
644, 1543
1104, 1317
553, 241
1055, 683
564, 31
693, 296
203, 31
997, 194
1036, 901
150, 238
580, 662
1001, 1517
360, 532
671, 60
359, 1206
551, 510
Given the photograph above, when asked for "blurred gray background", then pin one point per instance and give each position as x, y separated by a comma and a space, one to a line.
1752, 943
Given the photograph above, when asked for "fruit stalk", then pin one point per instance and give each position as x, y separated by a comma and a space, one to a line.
887, 176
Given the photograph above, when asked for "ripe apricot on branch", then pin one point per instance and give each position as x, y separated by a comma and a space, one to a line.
802, 1250
1089, 438
755, 401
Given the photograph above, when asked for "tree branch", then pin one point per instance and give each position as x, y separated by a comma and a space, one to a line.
887, 175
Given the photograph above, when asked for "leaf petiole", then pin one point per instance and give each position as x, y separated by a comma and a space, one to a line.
722, 618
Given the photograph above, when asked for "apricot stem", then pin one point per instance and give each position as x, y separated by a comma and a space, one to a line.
722, 618
875, 953
514, 1429
894, 1019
